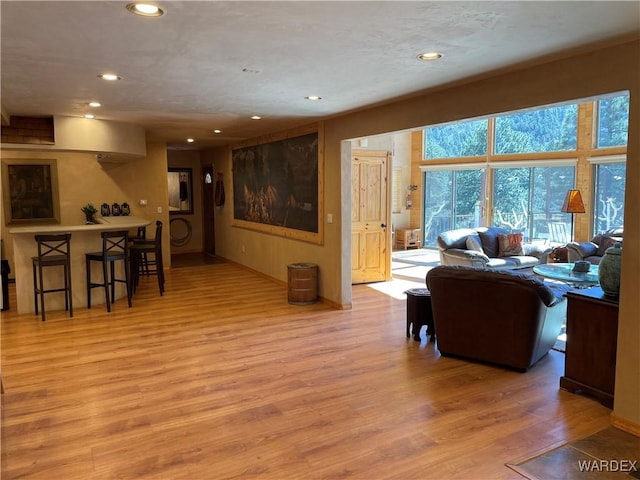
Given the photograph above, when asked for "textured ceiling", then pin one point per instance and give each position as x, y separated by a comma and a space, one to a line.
207, 65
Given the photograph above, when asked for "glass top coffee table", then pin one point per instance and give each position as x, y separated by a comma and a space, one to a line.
564, 273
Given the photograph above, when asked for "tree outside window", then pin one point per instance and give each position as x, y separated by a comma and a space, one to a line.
613, 121
529, 199
452, 200
610, 181
552, 129
460, 139
526, 198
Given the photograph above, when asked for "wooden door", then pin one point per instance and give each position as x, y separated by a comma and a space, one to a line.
370, 253
208, 210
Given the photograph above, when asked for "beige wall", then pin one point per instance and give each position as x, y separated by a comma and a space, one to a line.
265, 253
189, 159
612, 69
82, 179
110, 138
402, 159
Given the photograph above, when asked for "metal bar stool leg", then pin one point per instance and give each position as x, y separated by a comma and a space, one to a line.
88, 268
160, 272
127, 279
67, 284
105, 277
35, 288
112, 267
41, 291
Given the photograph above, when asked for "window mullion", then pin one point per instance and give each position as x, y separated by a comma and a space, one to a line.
491, 130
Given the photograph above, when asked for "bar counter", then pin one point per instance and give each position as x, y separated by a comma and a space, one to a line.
84, 239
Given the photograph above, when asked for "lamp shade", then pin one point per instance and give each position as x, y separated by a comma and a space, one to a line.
573, 202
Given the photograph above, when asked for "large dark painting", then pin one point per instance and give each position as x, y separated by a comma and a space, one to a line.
277, 183
30, 189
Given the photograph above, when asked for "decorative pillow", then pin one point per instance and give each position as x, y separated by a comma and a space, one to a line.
605, 242
510, 244
473, 243
489, 239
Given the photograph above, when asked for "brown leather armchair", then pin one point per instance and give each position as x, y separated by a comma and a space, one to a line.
502, 317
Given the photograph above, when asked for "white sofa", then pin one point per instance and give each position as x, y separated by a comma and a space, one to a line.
479, 247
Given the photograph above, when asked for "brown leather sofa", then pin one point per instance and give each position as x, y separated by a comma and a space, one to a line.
502, 317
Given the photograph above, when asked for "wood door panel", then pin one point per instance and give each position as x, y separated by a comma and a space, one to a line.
372, 241
370, 255
355, 251
374, 193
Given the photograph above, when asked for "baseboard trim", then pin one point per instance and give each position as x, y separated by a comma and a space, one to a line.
257, 272
625, 425
337, 306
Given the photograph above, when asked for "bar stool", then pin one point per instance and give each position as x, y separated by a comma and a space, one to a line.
142, 264
141, 236
53, 251
115, 247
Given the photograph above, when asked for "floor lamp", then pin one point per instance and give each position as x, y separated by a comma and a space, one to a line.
572, 204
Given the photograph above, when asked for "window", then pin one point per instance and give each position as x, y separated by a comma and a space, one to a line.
528, 199
461, 139
609, 185
550, 129
613, 121
528, 182
452, 200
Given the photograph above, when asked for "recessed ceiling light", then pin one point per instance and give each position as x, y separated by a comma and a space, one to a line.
256, 117
95, 104
89, 116
190, 140
145, 9
111, 77
428, 56
313, 97
217, 131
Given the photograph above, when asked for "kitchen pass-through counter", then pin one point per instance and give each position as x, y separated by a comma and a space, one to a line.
84, 239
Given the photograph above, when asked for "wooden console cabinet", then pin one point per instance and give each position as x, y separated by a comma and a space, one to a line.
592, 339
407, 238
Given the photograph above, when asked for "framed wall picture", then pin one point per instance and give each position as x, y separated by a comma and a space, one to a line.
30, 191
180, 182
277, 186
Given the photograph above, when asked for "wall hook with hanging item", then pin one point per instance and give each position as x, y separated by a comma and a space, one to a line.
184, 187
219, 191
180, 190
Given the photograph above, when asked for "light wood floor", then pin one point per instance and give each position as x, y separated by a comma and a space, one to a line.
222, 378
